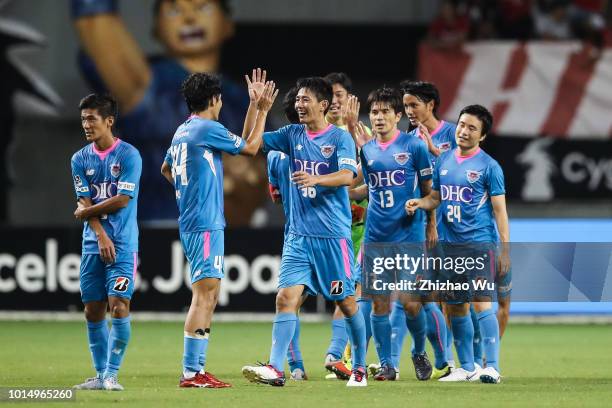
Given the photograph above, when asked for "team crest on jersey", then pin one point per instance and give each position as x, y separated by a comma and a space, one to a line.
473, 175
121, 284
337, 288
115, 169
327, 151
401, 158
444, 146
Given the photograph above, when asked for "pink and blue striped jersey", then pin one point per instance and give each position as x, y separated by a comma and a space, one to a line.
466, 186
393, 172
443, 137
197, 169
322, 212
100, 175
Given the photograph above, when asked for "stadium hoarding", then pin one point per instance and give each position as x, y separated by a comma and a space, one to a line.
544, 169
39, 270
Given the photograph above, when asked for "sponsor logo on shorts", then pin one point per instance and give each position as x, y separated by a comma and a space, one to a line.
121, 284
337, 288
124, 185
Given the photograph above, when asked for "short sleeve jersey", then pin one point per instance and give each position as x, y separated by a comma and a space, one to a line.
318, 211
197, 170
100, 175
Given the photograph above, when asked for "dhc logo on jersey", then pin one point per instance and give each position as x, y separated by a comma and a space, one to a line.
401, 158
473, 175
456, 193
327, 151
104, 190
314, 168
387, 178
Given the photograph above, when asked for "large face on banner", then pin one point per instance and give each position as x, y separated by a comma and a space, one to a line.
188, 27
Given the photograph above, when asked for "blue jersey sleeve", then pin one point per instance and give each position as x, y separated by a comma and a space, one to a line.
217, 137
495, 180
81, 185
277, 140
347, 158
130, 174
421, 161
272, 160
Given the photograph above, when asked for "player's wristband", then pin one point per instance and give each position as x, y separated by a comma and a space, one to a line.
85, 8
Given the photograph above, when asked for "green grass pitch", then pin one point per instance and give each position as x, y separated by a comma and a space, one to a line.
543, 365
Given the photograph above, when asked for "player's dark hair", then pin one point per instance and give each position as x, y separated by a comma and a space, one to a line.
386, 95
199, 89
289, 106
483, 114
341, 79
105, 104
223, 5
424, 91
321, 88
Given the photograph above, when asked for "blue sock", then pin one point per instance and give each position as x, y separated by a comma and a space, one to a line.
118, 340
339, 338
294, 354
417, 326
97, 332
355, 326
381, 330
449, 343
436, 332
477, 338
365, 307
282, 333
463, 333
489, 329
397, 318
203, 350
193, 356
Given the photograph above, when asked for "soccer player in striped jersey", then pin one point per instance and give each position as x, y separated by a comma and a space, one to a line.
194, 168
468, 186
106, 176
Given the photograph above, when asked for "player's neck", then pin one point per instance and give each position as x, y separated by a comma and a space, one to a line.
317, 125
384, 138
467, 152
431, 124
105, 142
205, 114
208, 62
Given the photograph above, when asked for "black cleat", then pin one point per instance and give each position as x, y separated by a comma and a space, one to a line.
385, 373
422, 366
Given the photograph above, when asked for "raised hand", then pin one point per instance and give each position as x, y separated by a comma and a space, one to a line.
350, 111
361, 134
268, 96
256, 83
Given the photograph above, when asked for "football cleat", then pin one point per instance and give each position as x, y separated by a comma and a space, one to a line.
385, 373
217, 383
94, 383
337, 367
331, 376
297, 374
422, 366
357, 379
436, 373
460, 375
111, 384
490, 375
264, 374
478, 370
373, 368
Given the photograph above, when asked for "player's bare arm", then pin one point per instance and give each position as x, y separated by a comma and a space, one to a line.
264, 104
358, 190
426, 137
431, 230
501, 219
166, 171
427, 203
339, 178
118, 58
105, 244
255, 86
108, 206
